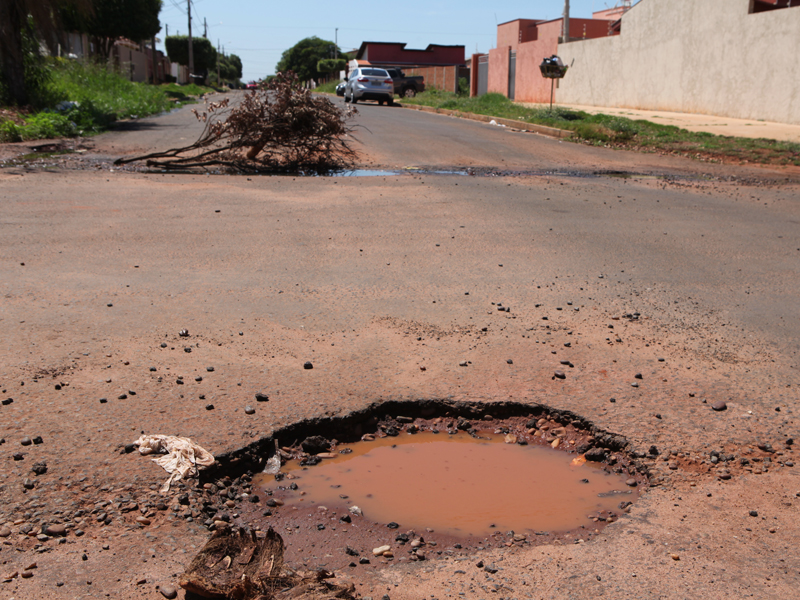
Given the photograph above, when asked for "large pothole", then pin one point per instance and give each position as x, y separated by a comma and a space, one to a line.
409, 481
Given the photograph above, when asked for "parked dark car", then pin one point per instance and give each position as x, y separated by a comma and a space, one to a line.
406, 87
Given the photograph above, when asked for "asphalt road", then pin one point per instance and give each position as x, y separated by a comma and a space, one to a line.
685, 273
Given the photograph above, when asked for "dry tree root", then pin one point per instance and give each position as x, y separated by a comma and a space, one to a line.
236, 564
279, 129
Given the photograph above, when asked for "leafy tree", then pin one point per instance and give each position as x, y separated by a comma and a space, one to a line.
205, 56
110, 20
18, 19
331, 65
304, 56
230, 67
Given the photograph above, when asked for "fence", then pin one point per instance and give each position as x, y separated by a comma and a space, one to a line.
133, 60
438, 78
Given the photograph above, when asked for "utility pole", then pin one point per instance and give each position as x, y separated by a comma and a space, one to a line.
219, 82
205, 28
566, 21
336, 51
167, 24
191, 51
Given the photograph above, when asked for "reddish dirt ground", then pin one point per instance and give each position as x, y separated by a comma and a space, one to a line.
685, 274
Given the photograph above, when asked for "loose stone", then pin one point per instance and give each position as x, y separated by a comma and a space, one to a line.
26, 441
308, 365
249, 410
168, 592
57, 529
559, 375
719, 406
381, 550
260, 397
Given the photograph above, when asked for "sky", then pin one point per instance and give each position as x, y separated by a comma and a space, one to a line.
258, 31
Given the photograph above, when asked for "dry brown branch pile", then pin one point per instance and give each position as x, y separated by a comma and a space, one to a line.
281, 128
236, 564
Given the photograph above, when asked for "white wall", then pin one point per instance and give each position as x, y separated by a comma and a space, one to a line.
699, 56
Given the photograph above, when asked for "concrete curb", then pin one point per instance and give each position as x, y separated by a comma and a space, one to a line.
540, 129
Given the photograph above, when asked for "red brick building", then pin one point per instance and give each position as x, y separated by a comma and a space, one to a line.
513, 66
440, 65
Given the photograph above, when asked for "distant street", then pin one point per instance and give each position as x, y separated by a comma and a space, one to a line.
684, 273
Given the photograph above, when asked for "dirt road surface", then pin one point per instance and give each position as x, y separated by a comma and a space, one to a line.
681, 272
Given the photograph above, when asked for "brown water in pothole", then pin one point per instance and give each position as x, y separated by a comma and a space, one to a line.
459, 485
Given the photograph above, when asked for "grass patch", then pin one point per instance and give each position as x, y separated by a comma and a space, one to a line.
184, 93
329, 87
621, 132
83, 98
106, 90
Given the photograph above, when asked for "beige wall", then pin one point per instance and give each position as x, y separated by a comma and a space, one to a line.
699, 56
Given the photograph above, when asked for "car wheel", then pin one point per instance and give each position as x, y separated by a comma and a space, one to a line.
409, 92
353, 99
380, 102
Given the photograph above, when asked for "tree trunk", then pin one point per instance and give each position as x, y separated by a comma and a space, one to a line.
13, 71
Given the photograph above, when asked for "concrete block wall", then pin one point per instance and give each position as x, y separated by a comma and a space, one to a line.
710, 57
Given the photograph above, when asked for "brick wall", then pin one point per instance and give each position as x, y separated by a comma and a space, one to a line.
439, 78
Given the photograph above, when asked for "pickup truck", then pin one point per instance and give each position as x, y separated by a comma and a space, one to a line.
405, 87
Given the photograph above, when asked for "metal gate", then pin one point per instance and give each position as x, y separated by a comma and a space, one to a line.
512, 74
483, 74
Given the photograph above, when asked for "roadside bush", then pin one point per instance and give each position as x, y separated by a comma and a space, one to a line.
329, 87
39, 126
108, 92
592, 132
624, 129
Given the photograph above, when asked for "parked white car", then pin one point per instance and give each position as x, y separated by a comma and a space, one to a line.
369, 83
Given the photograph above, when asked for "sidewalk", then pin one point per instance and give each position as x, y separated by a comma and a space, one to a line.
696, 122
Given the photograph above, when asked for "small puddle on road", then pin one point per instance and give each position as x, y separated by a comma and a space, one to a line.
459, 485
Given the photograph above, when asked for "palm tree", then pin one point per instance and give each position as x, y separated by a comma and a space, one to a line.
40, 17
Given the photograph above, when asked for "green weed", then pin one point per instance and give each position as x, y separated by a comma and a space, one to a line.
82, 98
619, 131
329, 87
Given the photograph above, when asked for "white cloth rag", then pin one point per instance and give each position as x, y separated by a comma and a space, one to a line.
182, 456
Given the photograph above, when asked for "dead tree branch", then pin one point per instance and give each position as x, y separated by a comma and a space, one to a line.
280, 128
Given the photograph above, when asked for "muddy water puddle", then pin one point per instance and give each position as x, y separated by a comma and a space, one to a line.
457, 484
